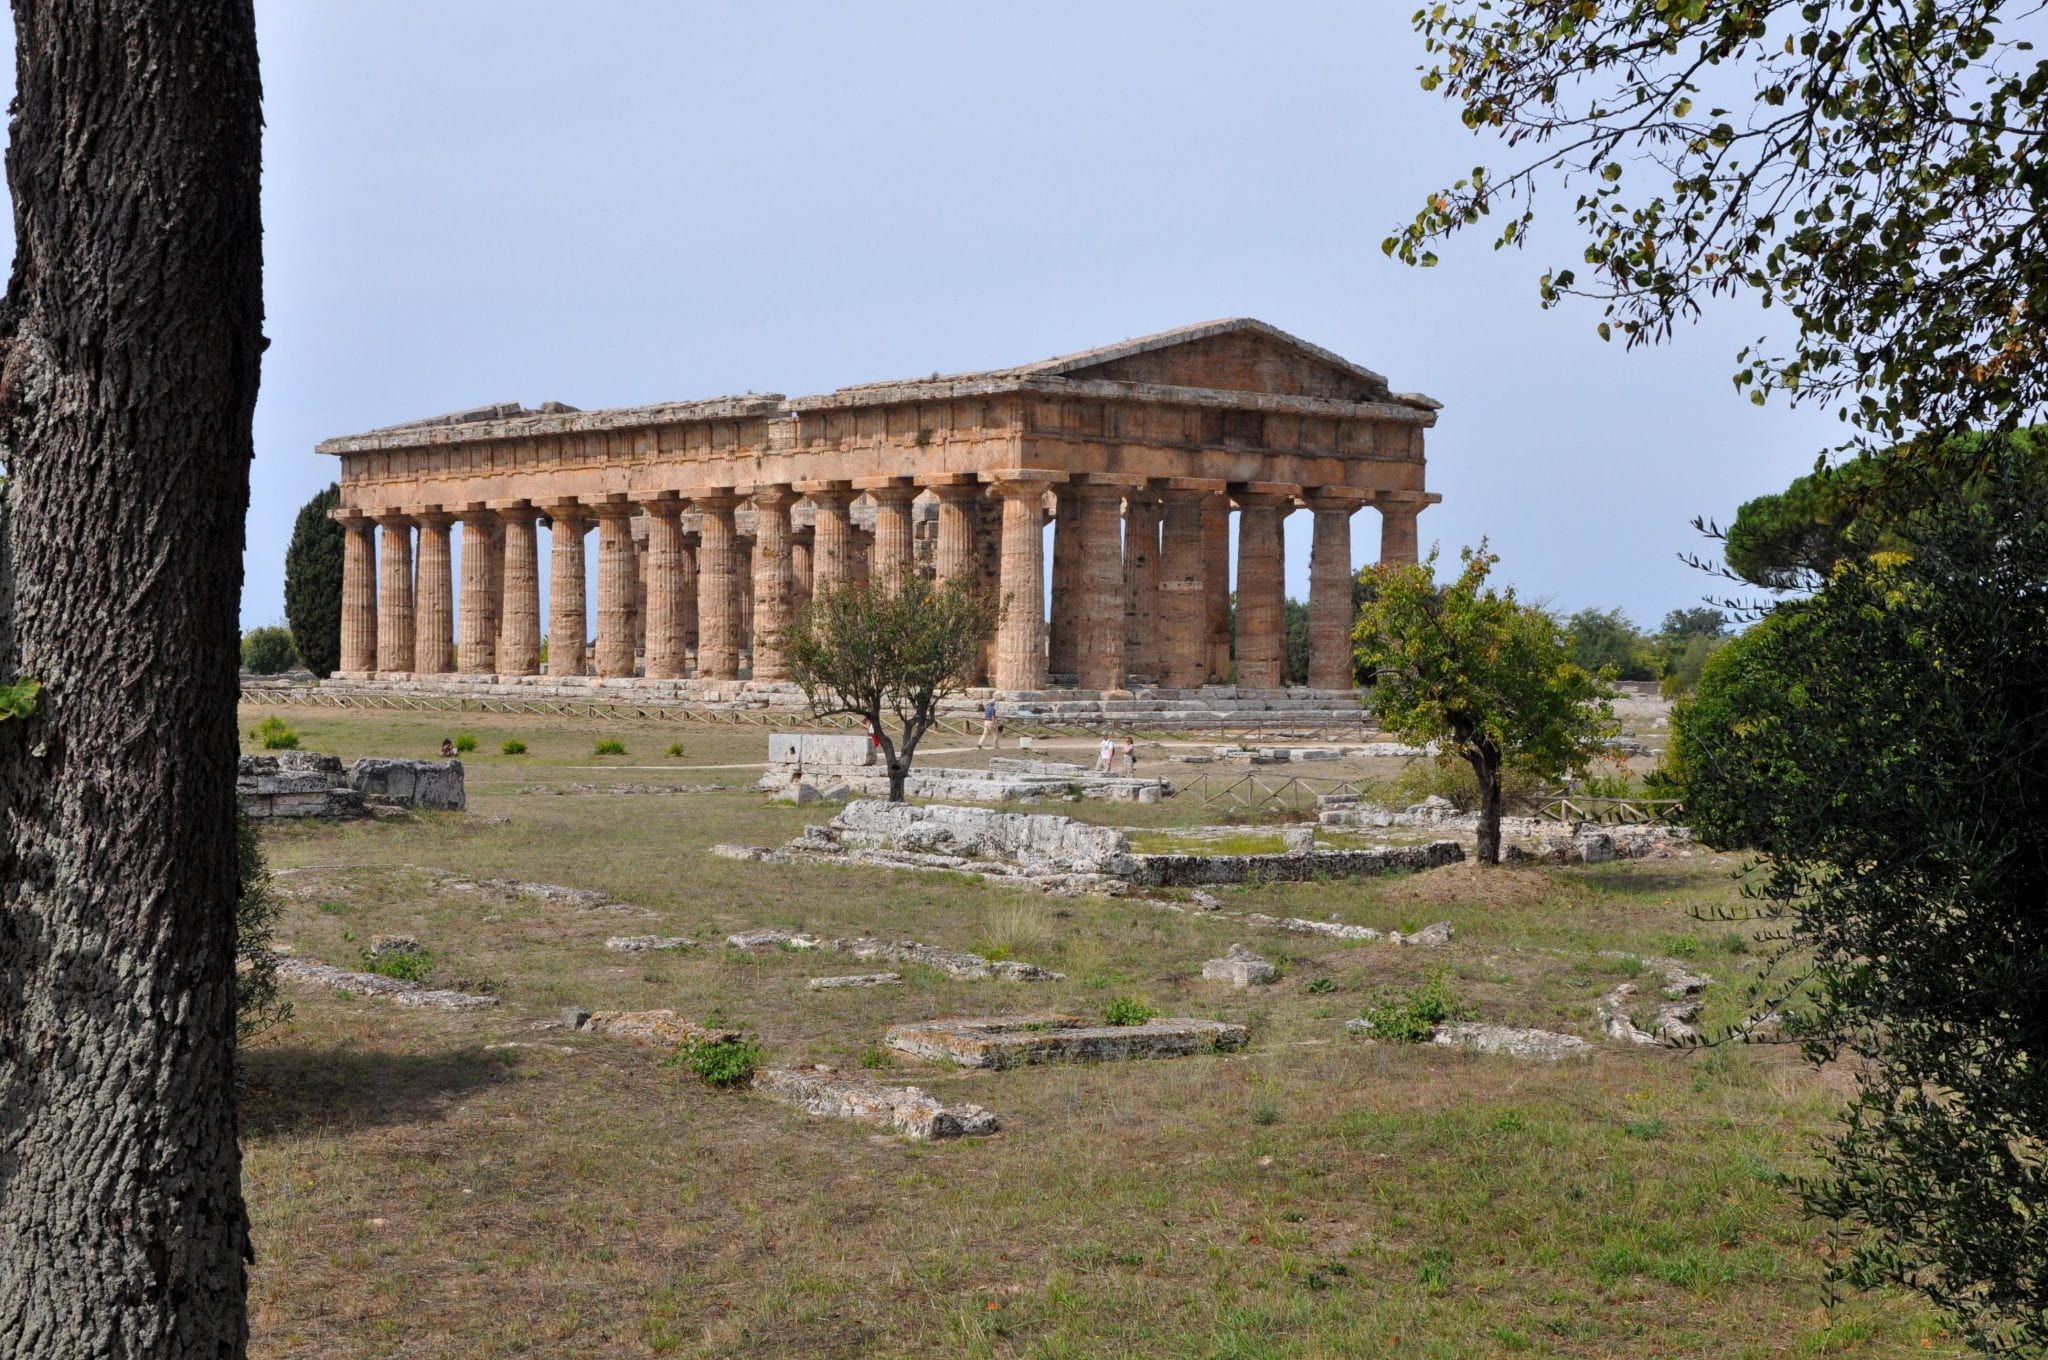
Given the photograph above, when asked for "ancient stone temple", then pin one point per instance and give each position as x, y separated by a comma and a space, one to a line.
713, 520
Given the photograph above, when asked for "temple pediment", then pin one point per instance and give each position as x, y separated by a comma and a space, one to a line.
1237, 355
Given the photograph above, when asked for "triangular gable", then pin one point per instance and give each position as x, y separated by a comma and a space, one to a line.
1240, 355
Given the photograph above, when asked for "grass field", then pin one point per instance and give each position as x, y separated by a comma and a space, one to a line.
429, 1184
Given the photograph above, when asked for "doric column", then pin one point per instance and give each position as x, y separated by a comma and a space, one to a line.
568, 618
1064, 651
1216, 584
718, 636
1329, 595
477, 651
771, 580
394, 595
433, 642
358, 593
743, 596
1182, 611
799, 567
519, 619
668, 574
686, 588
953, 555
1141, 584
1020, 633
1397, 534
617, 587
832, 544
895, 551
863, 555
1099, 657
1261, 601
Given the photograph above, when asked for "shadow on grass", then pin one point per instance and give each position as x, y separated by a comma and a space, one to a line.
1632, 878
296, 1089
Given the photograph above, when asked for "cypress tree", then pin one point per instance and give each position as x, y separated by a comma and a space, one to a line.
312, 584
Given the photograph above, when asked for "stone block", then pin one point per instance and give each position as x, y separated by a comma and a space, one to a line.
906, 1109
436, 785
822, 984
1240, 967
1016, 1040
807, 750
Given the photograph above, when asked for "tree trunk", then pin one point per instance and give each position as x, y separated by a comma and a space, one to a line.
899, 770
132, 331
1487, 851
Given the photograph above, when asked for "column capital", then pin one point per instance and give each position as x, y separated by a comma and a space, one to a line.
1017, 481
773, 497
723, 498
394, 519
1321, 499
954, 492
508, 509
475, 512
1264, 495
662, 504
350, 517
568, 510
887, 488
437, 516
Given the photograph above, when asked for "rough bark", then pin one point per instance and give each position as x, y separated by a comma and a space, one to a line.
132, 329
1486, 768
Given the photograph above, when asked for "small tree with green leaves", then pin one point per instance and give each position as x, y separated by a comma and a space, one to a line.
1487, 678
312, 584
266, 651
872, 651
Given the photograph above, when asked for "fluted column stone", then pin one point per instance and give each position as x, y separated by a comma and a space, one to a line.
1182, 624
519, 623
358, 595
771, 581
1064, 648
895, 551
953, 554
568, 613
799, 567
832, 545
1398, 534
1216, 585
394, 595
1099, 653
477, 625
718, 638
433, 644
1020, 632
667, 572
1141, 584
1329, 596
617, 589
1261, 599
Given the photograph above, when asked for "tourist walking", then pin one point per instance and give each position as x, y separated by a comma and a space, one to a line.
991, 730
1105, 753
1130, 756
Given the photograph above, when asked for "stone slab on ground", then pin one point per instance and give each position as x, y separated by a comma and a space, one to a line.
1240, 967
290, 784
661, 1027
397, 990
908, 1110
952, 962
1015, 1040
436, 785
820, 984
1180, 871
819, 749
1507, 1041
641, 944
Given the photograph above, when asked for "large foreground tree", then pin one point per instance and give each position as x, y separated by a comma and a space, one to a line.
876, 650
132, 334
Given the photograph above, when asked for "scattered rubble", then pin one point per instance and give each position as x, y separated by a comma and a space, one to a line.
819, 984
1015, 1040
310, 784
1240, 967
953, 962
660, 1028
906, 1109
1507, 1041
808, 768
623, 789
641, 944
1527, 840
375, 984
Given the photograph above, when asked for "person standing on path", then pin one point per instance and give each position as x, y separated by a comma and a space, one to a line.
991, 730
1105, 753
1130, 756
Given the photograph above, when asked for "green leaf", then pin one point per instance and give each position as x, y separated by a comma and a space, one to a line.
18, 698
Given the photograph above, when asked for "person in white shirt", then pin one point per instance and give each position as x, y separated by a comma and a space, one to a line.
1105, 752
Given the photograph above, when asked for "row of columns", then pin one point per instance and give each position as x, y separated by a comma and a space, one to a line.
1141, 580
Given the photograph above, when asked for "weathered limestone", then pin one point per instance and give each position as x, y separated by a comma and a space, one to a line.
1329, 596
670, 586
1018, 1040
617, 587
404, 993
906, 1109
358, 596
1020, 634
1180, 622
718, 639
893, 556
295, 784
394, 595
493, 549
1099, 654
519, 634
1398, 534
434, 613
832, 546
1141, 586
568, 619
799, 567
433, 784
855, 980
772, 581
643, 944
1240, 967
478, 640
952, 962
1063, 636
1261, 591
953, 555
1216, 585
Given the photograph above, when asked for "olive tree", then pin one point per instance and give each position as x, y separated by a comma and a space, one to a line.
879, 650
1488, 679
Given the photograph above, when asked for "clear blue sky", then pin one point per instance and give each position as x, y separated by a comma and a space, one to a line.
469, 201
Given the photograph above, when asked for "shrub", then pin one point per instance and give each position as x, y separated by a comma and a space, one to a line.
1456, 783
1321, 986
1412, 1016
276, 734
1126, 1010
513, 747
610, 746
721, 1062
258, 1003
406, 965
465, 742
675, 748
266, 651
